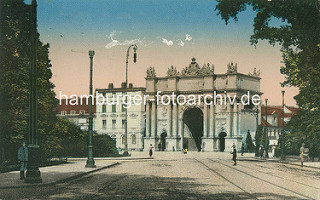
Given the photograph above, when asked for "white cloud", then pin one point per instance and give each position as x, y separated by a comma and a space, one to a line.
115, 42
188, 37
167, 42
180, 43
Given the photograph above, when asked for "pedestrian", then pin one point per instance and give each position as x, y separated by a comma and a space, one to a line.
234, 156
242, 149
150, 151
301, 154
23, 159
261, 151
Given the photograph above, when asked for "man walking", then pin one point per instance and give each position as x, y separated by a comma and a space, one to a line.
23, 159
234, 152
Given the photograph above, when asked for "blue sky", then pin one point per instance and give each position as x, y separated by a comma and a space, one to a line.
167, 32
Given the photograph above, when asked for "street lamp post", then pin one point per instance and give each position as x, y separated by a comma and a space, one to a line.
126, 153
33, 174
283, 157
90, 161
265, 142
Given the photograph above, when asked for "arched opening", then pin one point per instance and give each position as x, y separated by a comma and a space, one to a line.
193, 118
222, 144
163, 140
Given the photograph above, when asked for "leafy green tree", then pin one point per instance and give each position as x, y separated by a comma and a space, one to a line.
305, 128
257, 138
265, 142
103, 145
249, 143
15, 48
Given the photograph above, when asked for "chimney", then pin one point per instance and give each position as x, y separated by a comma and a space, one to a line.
130, 85
110, 86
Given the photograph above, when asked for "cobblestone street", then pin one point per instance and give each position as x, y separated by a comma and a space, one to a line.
197, 175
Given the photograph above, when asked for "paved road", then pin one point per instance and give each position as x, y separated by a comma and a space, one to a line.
178, 176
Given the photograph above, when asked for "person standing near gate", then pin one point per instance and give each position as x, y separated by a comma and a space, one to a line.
301, 153
234, 152
150, 151
23, 159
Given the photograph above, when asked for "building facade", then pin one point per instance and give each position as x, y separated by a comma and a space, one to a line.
197, 125
110, 119
273, 120
77, 114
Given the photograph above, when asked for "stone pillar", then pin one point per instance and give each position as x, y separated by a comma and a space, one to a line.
175, 120
205, 120
212, 121
148, 117
153, 120
230, 110
170, 120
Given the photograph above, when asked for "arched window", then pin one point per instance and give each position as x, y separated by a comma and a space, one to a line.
123, 139
134, 139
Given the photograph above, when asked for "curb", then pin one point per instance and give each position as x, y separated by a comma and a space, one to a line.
61, 180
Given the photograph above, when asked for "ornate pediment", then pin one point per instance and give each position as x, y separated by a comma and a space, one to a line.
195, 70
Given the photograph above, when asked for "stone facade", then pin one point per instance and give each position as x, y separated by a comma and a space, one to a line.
171, 127
110, 119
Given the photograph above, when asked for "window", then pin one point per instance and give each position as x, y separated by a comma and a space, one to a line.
104, 124
123, 124
114, 108
123, 139
104, 108
123, 109
72, 112
114, 122
134, 139
63, 112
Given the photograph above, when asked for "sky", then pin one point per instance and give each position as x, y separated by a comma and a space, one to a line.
167, 32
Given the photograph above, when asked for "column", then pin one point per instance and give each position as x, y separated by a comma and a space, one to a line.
148, 131
212, 121
205, 120
175, 120
170, 120
153, 119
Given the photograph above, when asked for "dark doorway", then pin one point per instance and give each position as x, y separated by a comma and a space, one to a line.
193, 118
222, 144
163, 140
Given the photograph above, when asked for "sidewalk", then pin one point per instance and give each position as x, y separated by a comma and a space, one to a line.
55, 174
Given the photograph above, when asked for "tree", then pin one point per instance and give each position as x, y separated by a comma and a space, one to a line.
15, 51
265, 142
249, 143
258, 137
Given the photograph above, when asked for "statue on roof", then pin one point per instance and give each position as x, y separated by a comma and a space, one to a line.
206, 69
255, 73
232, 68
172, 71
151, 72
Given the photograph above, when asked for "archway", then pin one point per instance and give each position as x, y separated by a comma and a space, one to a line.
163, 140
193, 118
222, 144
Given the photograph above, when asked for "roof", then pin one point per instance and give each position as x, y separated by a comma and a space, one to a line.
62, 106
278, 111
